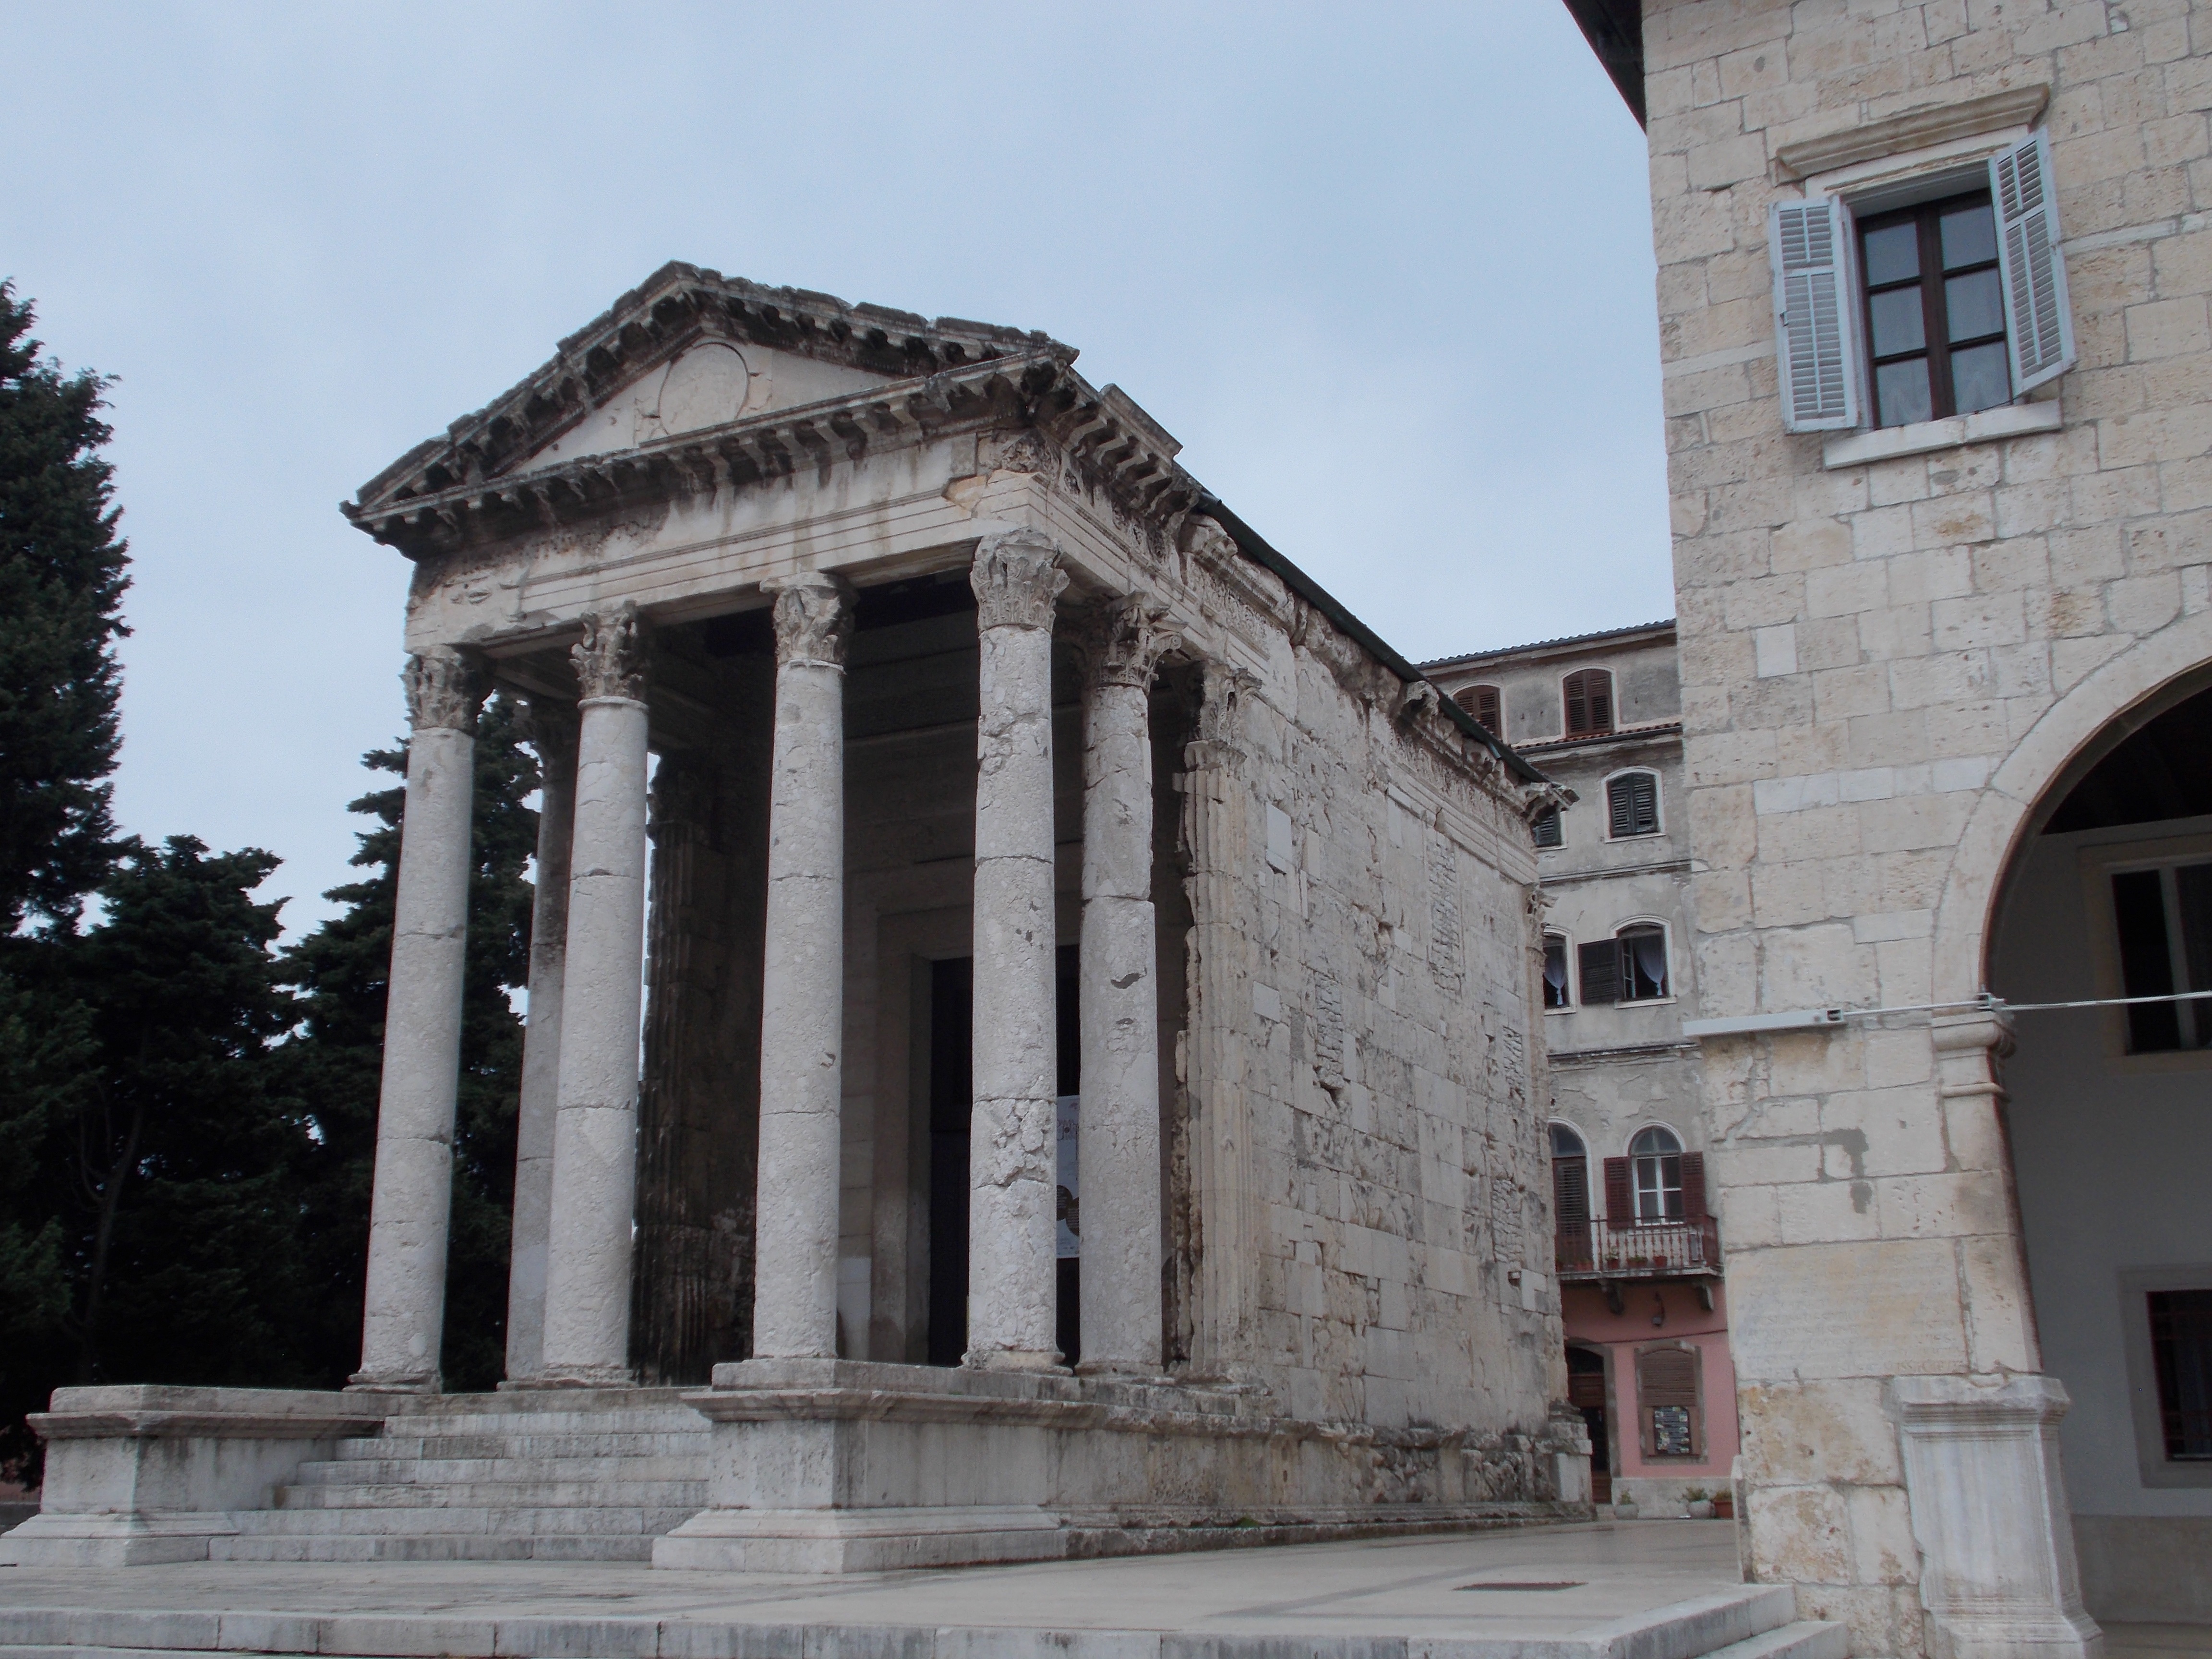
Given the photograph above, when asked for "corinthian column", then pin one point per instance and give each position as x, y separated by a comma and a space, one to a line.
595, 1129
551, 730
404, 1319
803, 997
1119, 1129
1013, 1135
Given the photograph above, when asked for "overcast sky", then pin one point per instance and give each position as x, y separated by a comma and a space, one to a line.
1386, 271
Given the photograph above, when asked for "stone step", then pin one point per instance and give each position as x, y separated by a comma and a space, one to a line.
387, 1471
1805, 1639
480, 1446
497, 1494
391, 1520
429, 1546
681, 1420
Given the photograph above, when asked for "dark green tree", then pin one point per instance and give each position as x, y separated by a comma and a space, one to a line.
61, 590
340, 971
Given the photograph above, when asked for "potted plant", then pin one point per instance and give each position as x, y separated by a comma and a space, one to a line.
1724, 1503
1699, 1502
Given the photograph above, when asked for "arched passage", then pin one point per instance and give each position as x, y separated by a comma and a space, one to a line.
2107, 894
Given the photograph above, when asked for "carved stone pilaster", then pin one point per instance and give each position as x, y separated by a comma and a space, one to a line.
813, 617
1126, 640
610, 658
1018, 578
444, 691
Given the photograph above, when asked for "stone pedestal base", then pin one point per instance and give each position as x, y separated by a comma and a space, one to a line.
146, 1473
835, 1466
1989, 1515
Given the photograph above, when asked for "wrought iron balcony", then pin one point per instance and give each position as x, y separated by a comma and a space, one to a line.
1602, 1251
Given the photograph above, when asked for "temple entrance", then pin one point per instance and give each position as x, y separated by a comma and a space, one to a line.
952, 1100
2109, 903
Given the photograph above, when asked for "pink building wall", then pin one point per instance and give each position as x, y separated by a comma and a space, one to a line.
1591, 1323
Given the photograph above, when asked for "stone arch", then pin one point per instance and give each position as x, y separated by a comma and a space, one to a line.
2004, 816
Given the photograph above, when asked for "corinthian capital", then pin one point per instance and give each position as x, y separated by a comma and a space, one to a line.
610, 658
1016, 577
813, 617
1127, 639
443, 689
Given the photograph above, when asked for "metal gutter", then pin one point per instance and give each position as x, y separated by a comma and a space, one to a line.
1256, 548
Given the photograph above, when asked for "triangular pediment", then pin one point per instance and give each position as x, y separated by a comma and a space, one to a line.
688, 350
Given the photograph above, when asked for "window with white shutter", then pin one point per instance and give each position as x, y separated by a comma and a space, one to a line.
1815, 314
2040, 322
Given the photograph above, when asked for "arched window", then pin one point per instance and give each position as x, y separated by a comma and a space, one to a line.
1589, 695
1486, 704
1630, 967
1547, 829
1632, 805
1655, 1164
1556, 992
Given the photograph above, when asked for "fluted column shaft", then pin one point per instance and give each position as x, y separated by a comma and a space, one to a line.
1119, 1127
587, 1274
552, 731
410, 1204
1011, 1229
803, 993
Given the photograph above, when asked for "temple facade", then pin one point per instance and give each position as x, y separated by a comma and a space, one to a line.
1031, 1036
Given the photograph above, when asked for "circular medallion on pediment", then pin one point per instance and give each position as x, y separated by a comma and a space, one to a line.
706, 386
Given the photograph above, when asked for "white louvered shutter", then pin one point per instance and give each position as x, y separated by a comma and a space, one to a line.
1815, 314
2038, 322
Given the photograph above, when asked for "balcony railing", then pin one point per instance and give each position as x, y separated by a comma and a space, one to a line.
1649, 1250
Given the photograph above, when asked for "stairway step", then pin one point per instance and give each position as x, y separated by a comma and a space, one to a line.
430, 1546
596, 1521
615, 1443
497, 1494
1806, 1639
427, 1471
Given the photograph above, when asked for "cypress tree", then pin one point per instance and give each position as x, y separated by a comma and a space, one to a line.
61, 589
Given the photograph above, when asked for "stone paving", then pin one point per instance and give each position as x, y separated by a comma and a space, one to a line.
1430, 1594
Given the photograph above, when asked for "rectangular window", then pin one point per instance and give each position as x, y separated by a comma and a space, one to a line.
1921, 312
1555, 971
1643, 965
2164, 921
2181, 1355
1588, 697
1935, 311
1547, 829
1483, 702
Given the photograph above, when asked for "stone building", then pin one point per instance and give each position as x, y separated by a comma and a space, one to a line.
1067, 935
1637, 1246
1943, 561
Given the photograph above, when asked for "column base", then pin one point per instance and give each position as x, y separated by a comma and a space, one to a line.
577, 1376
1028, 1361
862, 1541
408, 1382
131, 1538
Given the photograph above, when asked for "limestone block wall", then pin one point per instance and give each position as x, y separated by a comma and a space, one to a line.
1885, 665
1375, 906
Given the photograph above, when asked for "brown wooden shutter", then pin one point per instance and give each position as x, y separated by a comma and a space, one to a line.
1693, 1187
1546, 830
1667, 1376
1619, 1195
1577, 705
1569, 1194
1588, 693
1599, 964
1487, 711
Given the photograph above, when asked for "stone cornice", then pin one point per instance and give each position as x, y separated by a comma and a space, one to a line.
1913, 129
676, 306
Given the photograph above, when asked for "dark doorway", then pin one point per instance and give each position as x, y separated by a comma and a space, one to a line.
1586, 1393
951, 1104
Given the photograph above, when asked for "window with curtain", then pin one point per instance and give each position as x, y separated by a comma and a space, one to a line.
1654, 1165
1643, 964
1632, 802
1556, 994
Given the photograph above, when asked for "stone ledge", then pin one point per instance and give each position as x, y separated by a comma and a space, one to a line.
1914, 129
1889, 442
